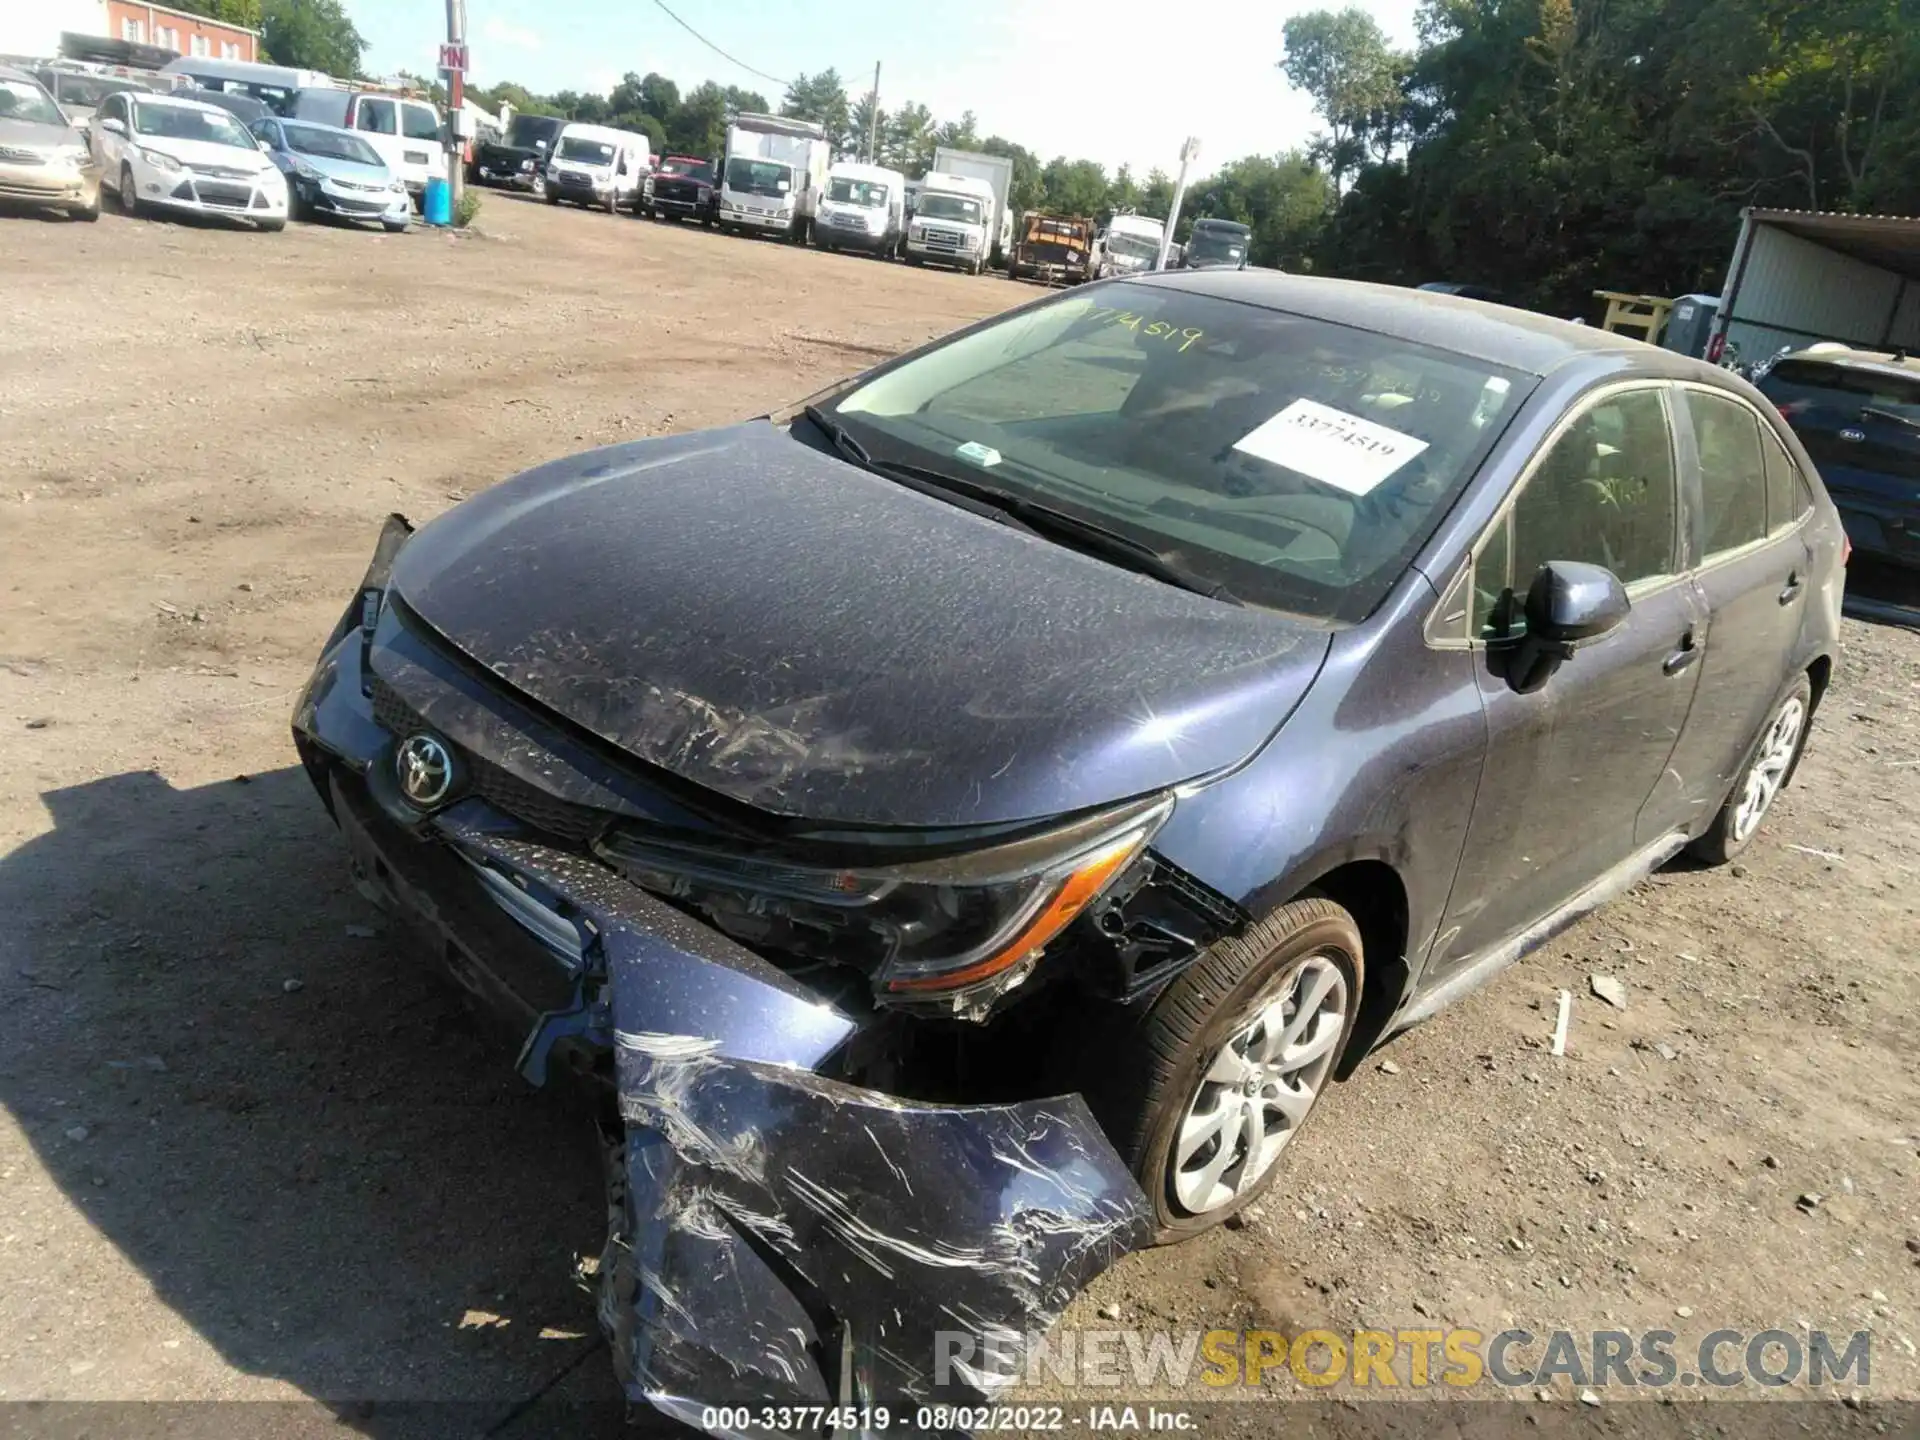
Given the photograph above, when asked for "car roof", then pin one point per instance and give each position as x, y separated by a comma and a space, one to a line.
1500, 334
1883, 361
287, 122
7, 72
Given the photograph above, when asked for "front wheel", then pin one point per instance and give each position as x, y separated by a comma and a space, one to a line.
1231, 1060
129, 194
552, 197
1769, 766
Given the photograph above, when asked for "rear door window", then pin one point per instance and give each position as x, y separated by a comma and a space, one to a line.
1788, 497
375, 115
1733, 476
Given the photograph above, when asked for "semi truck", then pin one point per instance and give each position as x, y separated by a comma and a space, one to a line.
996, 171
772, 174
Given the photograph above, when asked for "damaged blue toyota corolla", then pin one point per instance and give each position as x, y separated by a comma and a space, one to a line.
957, 830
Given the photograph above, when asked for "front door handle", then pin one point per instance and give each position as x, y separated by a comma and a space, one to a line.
1792, 588
1683, 657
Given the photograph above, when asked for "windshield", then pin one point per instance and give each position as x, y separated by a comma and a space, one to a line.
330, 144
1137, 247
1299, 463
527, 130
758, 177
867, 194
1798, 386
950, 207
177, 122
584, 151
23, 100
676, 168
1216, 245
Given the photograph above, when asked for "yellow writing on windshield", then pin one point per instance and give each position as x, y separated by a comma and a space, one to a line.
1165, 330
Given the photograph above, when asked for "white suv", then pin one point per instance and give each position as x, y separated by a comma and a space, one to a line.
161, 152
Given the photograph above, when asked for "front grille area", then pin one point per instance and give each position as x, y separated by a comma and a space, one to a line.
950, 241
213, 192
561, 819
221, 172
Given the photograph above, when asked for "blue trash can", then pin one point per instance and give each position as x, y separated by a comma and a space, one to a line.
437, 208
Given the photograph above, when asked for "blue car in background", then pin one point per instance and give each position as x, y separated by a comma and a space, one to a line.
333, 172
1858, 414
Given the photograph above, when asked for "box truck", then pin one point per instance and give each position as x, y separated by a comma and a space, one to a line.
997, 172
771, 175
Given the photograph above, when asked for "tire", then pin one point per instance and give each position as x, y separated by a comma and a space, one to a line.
295, 210
394, 229
1186, 1060
272, 227
548, 194
129, 194
1771, 761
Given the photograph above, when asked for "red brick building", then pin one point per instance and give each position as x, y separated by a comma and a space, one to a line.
178, 31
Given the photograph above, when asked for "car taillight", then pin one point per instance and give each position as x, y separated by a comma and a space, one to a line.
1716, 347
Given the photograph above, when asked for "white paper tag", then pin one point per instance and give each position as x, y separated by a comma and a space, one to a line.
1331, 446
984, 456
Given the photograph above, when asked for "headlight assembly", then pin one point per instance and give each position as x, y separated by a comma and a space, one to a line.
949, 933
158, 159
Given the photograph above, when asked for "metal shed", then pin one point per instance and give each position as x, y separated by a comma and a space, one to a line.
1800, 276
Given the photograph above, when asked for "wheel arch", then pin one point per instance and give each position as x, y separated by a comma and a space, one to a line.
1371, 890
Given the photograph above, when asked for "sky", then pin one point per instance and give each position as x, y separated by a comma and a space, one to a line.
1121, 82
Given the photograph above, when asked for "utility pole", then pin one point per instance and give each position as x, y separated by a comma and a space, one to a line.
1189, 152
453, 65
873, 116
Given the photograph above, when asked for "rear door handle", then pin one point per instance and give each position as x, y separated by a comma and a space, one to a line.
1792, 588
1683, 657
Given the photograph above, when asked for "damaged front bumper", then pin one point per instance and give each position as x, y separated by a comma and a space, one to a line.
777, 1237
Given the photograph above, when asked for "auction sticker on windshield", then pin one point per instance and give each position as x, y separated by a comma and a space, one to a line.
1330, 446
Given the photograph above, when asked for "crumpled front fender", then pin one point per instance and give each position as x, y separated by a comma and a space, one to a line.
778, 1237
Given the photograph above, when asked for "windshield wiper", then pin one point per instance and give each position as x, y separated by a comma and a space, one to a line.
1875, 412
1024, 514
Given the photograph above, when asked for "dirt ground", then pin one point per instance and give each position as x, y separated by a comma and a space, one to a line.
249, 1149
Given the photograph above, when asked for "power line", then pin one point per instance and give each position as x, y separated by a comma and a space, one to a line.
731, 59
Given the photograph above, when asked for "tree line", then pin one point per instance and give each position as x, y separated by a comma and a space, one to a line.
1543, 148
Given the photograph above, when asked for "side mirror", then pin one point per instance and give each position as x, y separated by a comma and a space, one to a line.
113, 127
1569, 604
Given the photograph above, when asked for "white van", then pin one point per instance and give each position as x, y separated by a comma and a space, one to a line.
950, 226
408, 133
862, 208
271, 83
598, 166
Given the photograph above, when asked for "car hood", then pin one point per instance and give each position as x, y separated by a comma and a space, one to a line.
353, 170
33, 134
781, 627
206, 152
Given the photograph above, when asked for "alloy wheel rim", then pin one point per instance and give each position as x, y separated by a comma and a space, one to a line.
1769, 769
1258, 1088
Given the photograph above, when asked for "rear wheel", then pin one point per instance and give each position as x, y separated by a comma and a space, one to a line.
1770, 765
1231, 1060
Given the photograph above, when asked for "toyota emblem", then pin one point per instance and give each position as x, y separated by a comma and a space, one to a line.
424, 770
